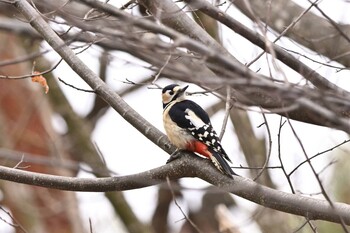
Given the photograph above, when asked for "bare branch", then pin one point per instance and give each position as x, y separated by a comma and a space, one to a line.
316, 155
259, 40
15, 223
269, 149
31, 75
235, 74
321, 39
280, 155
74, 87
228, 107
324, 193
189, 165
261, 92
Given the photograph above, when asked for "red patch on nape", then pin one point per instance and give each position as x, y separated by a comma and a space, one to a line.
198, 147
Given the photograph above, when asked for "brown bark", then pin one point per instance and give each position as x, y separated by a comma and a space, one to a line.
25, 119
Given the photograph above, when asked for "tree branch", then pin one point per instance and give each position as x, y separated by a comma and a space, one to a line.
189, 165
250, 88
324, 39
259, 92
294, 63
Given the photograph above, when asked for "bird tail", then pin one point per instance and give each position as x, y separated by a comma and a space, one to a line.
220, 163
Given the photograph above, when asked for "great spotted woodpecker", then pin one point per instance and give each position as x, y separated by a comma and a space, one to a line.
189, 128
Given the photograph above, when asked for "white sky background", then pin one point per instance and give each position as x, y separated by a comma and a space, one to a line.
127, 151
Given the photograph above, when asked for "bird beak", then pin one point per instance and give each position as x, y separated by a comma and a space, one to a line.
182, 91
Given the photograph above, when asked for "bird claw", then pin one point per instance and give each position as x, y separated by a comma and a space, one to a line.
175, 155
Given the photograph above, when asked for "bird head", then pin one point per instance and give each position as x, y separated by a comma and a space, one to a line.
172, 93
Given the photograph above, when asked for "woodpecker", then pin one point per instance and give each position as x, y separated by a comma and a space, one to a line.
189, 128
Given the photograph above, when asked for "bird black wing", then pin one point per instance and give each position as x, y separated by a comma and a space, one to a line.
177, 113
190, 116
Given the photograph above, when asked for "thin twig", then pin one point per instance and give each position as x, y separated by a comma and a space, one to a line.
17, 166
308, 73
269, 150
178, 206
257, 168
300, 227
51, 161
129, 3
30, 75
14, 223
90, 226
291, 25
228, 107
319, 153
334, 24
280, 155
24, 58
161, 70
342, 223
74, 87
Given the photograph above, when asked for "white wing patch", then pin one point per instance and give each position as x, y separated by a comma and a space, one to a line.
204, 133
194, 119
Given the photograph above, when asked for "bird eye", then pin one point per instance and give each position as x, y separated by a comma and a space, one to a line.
171, 92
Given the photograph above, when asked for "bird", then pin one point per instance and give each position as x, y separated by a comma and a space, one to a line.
188, 127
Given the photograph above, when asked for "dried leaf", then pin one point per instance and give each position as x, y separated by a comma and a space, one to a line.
41, 80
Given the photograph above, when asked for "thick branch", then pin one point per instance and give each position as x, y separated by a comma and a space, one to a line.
172, 16
189, 166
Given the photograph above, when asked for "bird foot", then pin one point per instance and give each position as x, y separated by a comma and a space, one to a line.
173, 156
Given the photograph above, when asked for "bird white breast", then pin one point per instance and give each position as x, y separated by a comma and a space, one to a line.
177, 135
